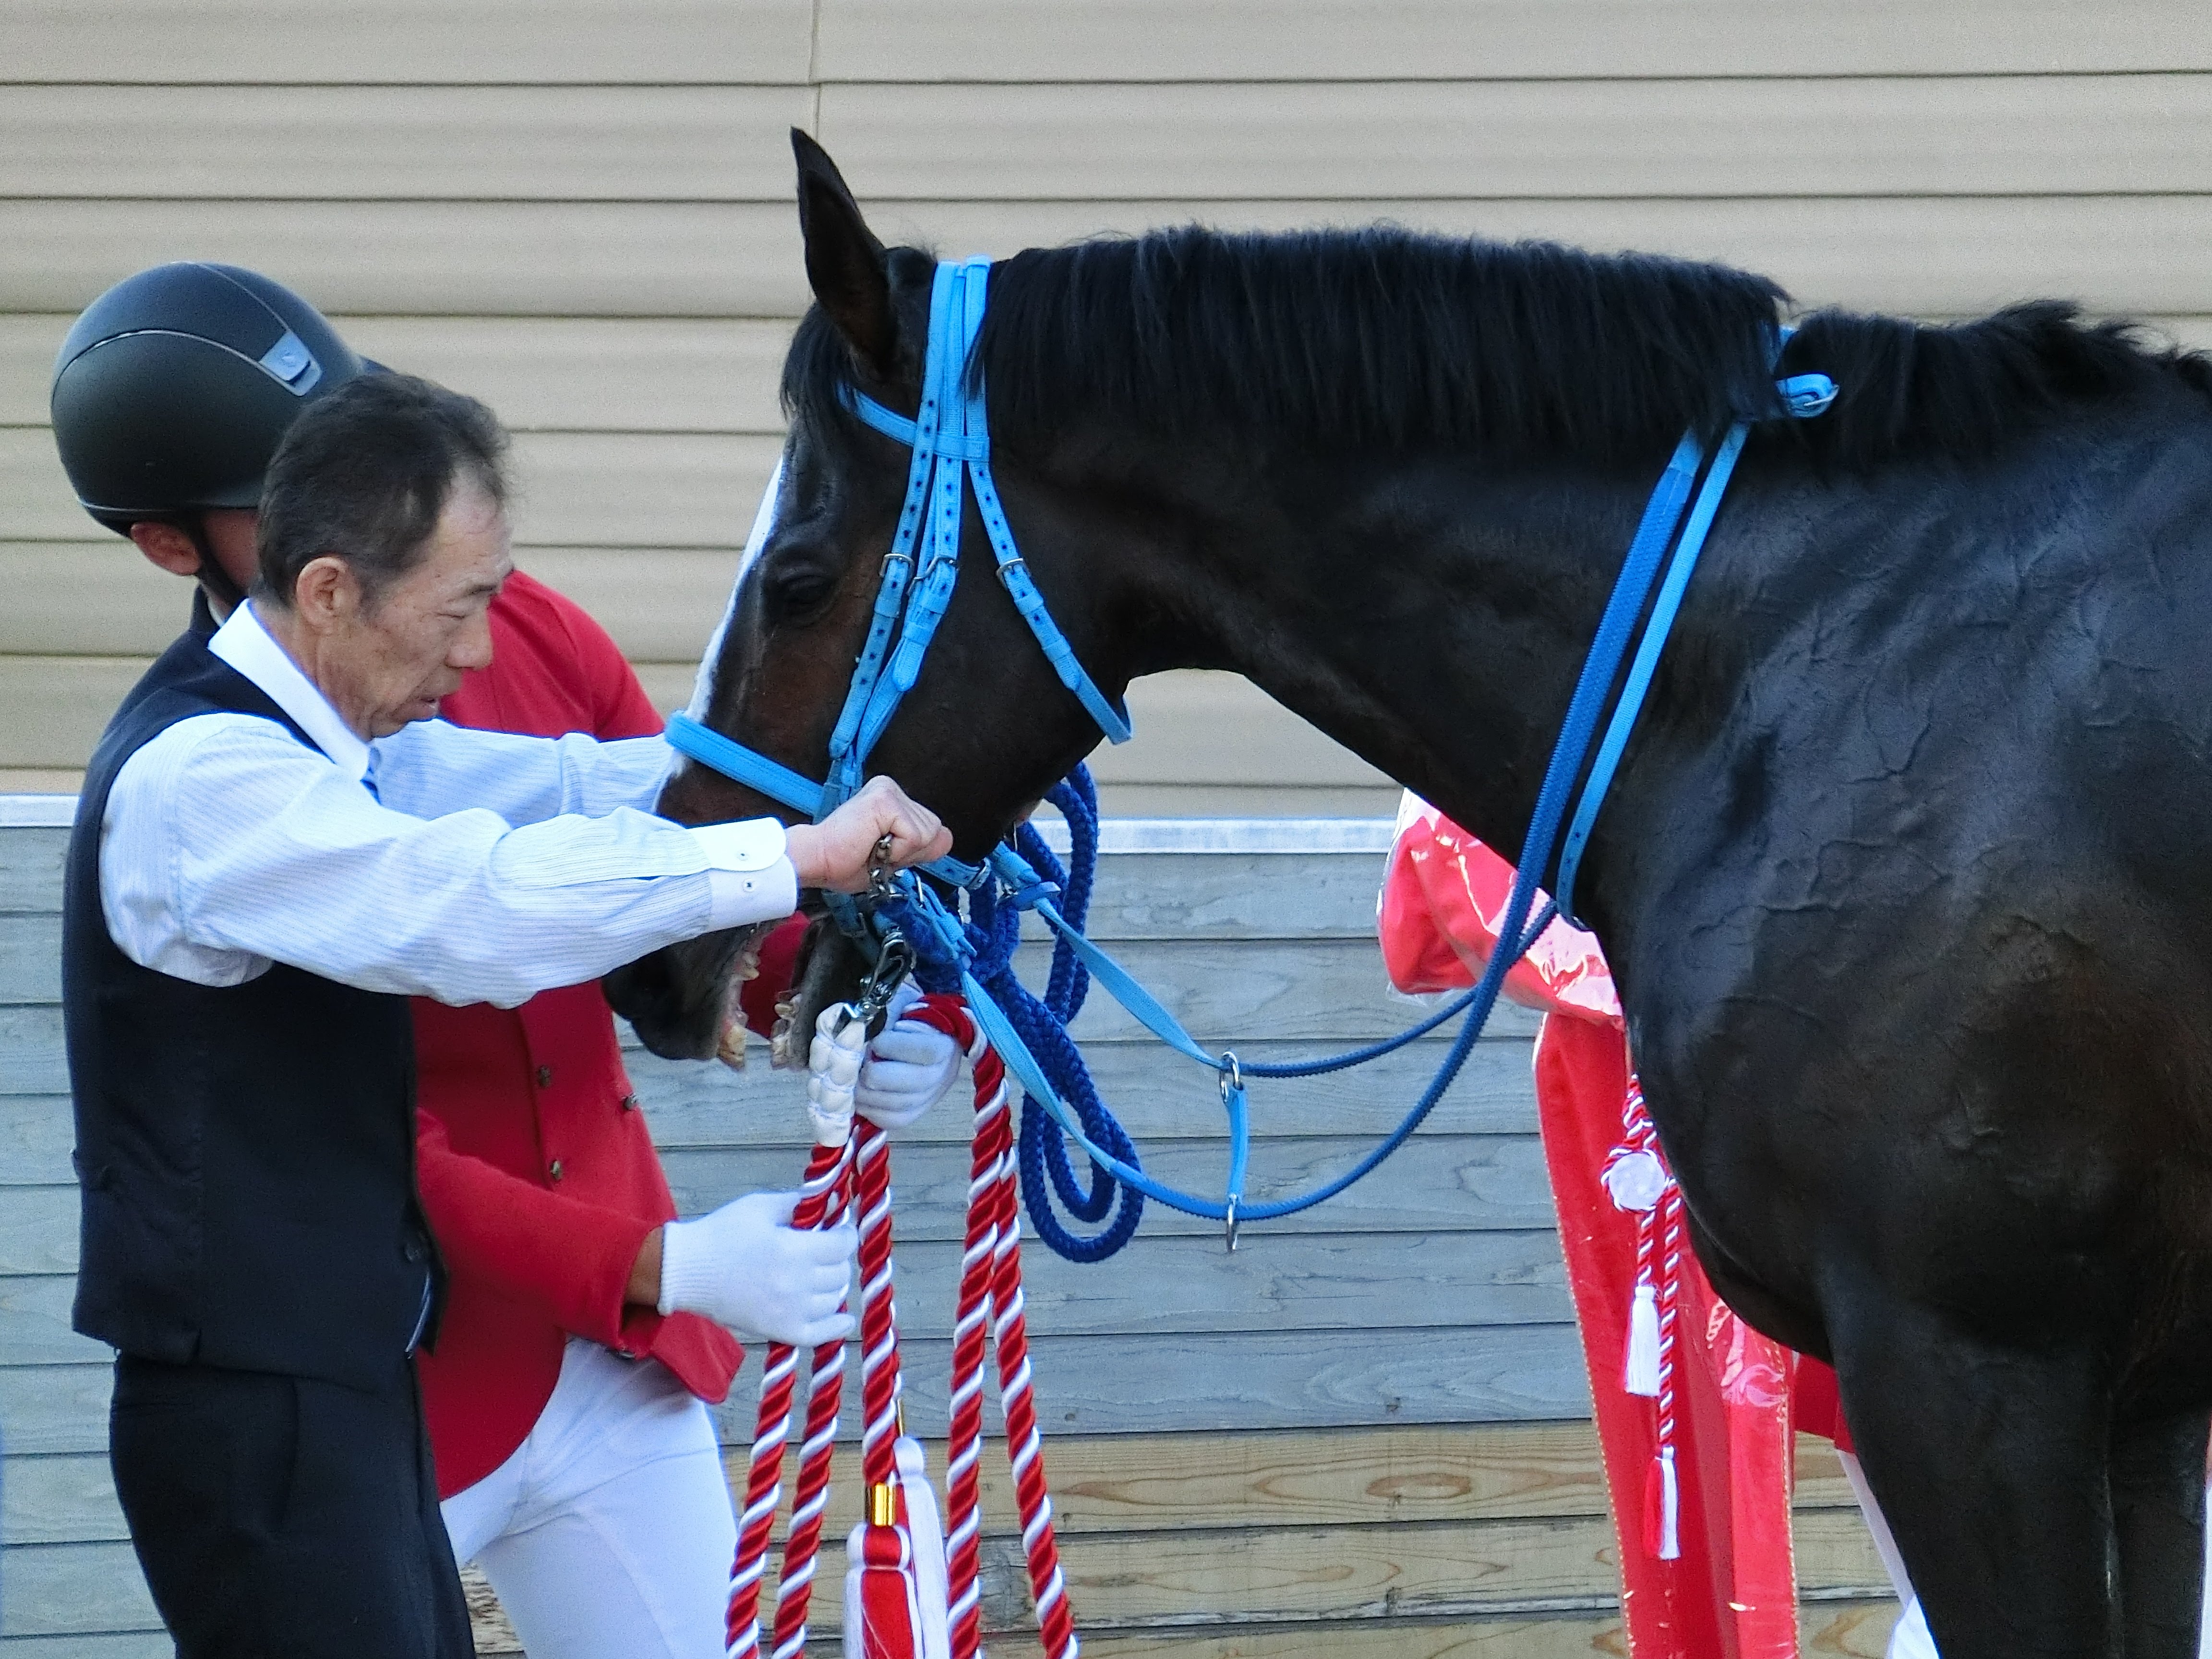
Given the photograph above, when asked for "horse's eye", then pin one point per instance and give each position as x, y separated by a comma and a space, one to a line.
794, 594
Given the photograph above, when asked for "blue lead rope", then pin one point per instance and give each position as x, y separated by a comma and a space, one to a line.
950, 439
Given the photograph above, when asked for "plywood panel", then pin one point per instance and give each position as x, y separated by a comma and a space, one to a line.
30, 961
1495, 39
402, 142
485, 42
1218, 140
551, 373
1232, 140
57, 708
572, 489
59, 1589
36, 1134
31, 866
1264, 1380
1956, 255
437, 258
102, 599
1157, 1098
31, 1058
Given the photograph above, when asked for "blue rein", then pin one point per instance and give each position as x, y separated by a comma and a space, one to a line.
950, 437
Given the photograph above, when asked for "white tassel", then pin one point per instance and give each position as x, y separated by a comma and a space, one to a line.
1670, 1537
1641, 1373
931, 1589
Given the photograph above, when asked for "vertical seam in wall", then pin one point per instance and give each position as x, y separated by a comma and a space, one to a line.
814, 67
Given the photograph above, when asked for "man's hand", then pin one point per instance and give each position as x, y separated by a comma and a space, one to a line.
837, 852
908, 1067
746, 1267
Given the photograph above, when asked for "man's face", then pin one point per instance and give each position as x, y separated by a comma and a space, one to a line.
389, 661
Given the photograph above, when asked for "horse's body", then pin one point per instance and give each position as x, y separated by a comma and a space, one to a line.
1901, 877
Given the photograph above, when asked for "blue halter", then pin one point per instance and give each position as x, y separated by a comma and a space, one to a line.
950, 436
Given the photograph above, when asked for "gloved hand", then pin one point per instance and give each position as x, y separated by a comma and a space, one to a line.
747, 1267
908, 1067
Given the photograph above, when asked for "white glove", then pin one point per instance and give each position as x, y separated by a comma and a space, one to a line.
908, 1067
746, 1267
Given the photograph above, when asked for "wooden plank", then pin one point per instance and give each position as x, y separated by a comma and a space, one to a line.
1914, 135
129, 1644
38, 1230
30, 959
31, 1058
56, 708
60, 1500
573, 489
1223, 141
1133, 40
65, 1589
660, 604
55, 1408
540, 374
1263, 1380
1846, 1630
484, 42
1157, 1096
1343, 1281
31, 866
430, 259
1450, 1183
36, 1134
1947, 256
289, 142
35, 1323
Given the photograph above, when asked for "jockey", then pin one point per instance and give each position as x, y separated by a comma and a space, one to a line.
566, 1398
1724, 1504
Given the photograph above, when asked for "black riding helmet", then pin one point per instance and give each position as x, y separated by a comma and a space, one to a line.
173, 390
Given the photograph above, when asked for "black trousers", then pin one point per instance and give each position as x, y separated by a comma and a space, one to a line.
280, 1517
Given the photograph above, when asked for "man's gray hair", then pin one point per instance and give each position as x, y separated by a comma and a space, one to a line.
363, 474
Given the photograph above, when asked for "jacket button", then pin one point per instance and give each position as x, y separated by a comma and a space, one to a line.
629, 1103
546, 1077
554, 1169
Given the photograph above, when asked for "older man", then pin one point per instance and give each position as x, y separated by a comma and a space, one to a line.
250, 900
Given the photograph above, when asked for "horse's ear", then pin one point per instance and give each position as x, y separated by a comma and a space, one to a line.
845, 263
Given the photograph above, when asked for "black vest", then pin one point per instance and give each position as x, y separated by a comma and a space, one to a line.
247, 1153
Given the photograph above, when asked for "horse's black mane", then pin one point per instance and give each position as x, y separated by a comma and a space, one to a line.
1386, 335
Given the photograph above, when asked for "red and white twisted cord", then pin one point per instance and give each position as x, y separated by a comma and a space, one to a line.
822, 1202
991, 1305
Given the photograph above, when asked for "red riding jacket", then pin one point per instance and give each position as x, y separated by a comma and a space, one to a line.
537, 1170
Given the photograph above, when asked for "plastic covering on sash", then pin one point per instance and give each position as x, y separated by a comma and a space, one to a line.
1732, 1589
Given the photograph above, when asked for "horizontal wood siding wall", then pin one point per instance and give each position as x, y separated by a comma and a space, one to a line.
581, 210
1368, 1421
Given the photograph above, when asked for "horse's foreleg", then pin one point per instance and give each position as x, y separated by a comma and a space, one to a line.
2158, 1514
1991, 1465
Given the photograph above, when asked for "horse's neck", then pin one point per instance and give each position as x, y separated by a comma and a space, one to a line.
1434, 623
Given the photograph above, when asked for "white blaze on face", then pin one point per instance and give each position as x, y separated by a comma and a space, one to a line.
703, 688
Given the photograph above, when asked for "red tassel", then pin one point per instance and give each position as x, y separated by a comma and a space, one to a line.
882, 1620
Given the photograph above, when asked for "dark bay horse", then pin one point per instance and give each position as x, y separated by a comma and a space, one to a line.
1903, 878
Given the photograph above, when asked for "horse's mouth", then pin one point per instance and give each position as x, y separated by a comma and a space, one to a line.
685, 1001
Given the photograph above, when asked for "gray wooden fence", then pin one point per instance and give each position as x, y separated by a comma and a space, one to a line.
1370, 1420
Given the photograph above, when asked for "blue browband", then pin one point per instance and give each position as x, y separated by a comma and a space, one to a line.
950, 436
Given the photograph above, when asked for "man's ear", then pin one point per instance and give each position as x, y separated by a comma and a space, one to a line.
167, 546
325, 594
845, 263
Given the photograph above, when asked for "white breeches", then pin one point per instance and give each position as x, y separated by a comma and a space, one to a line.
609, 1534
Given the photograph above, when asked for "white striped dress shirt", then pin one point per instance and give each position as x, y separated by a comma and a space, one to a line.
469, 866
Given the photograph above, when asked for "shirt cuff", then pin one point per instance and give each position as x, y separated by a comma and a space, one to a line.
749, 876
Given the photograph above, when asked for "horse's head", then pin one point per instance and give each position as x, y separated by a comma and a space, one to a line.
988, 727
